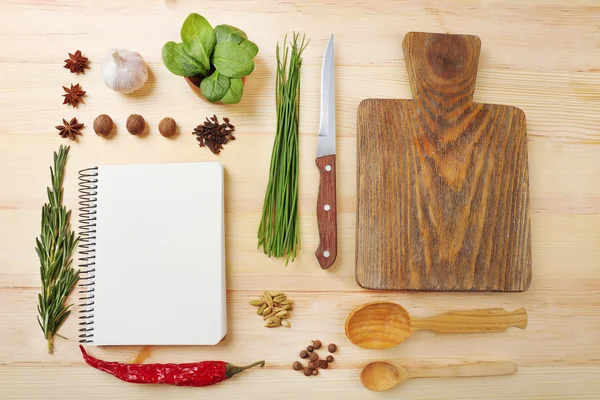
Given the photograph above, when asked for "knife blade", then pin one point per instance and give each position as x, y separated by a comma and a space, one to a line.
326, 253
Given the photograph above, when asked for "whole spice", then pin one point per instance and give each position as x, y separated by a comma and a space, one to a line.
74, 95
307, 371
312, 365
329, 359
297, 366
54, 248
332, 348
69, 129
76, 63
135, 124
167, 127
317, 344
279, 229
214, 135
323, 364
103, 125
274, 313
304, 354
315, 372
203, 373
124, 71
314, 357
310, 349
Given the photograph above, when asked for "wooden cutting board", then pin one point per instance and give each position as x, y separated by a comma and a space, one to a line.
443, 182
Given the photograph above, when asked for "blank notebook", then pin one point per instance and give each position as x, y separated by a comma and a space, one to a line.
152, 254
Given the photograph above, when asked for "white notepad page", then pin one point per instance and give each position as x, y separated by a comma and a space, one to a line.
160, 260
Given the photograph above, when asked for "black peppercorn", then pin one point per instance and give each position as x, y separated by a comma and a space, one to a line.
332, 348
297, 366
303, 354
317, 344
310, 349
314, 356
329, 359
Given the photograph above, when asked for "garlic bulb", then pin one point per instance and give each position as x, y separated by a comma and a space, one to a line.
124, 71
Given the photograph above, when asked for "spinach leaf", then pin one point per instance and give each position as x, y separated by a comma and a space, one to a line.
230, 33
232, 60
250, 47
214, 87
198, 38
235, 92
179, 62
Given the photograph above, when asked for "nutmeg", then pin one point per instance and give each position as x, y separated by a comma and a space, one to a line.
103, 125
135, 124
167, 127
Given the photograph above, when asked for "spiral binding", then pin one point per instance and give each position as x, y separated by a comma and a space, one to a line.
88, 191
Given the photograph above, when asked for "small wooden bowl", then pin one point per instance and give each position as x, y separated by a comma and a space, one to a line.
194, 83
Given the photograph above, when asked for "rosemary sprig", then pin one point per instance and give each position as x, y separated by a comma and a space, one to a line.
54, 248
279, 230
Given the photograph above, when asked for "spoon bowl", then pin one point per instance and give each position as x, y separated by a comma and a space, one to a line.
382, 375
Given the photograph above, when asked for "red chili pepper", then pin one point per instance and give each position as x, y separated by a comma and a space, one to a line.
203, 373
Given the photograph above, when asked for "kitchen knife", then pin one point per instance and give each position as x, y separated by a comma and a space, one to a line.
326, 207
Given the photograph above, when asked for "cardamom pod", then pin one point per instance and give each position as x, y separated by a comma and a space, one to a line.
273, 320
286, 323
275, 304
272, 325
282, 314
267, 311
271, 314
261, 309
287, 301
279, 298
256, 303
287, 307
269, 299
275, 294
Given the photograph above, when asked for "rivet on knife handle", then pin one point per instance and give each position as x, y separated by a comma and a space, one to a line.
327, 212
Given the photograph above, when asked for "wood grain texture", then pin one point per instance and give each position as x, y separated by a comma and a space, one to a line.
326, 253
472, 321
540, 57
443, 182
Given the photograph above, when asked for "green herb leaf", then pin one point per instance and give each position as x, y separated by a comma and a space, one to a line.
235, 92
250, 47
232, 60
179, 62
230, 33
214, 87
198, 38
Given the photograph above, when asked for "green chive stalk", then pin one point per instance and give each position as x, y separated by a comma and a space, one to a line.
54, 248
279, 229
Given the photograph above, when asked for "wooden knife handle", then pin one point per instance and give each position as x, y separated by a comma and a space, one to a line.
490, 320
327, 212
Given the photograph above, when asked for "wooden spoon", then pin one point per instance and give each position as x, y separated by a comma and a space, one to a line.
382, 375
382, 325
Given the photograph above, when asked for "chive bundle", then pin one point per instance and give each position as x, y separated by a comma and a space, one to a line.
279, 230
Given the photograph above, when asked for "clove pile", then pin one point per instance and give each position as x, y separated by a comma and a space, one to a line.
214, 135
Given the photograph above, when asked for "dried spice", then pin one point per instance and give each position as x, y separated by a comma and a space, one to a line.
196, 374
103, 125
76, 63
167, 127
314, 364
74, 95
214, 135
135, 124
275, 309
69, 129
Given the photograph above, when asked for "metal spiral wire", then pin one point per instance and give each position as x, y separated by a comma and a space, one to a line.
88, 192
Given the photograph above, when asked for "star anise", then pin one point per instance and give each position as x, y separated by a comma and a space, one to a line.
73, 96
214, 135
76, 62
69, 129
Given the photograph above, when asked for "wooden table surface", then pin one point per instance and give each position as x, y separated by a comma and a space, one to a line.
543, 57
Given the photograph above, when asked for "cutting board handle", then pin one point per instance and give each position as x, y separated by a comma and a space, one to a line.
442, 69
